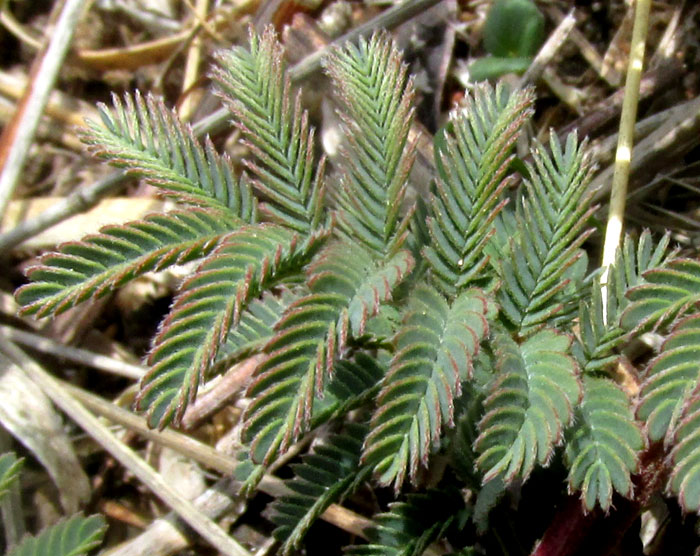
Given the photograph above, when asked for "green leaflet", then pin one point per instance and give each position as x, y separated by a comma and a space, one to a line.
409, 527
603, 444
255, 86
150, 142
100, 263
71, 537
551, 220
210, 302
472, 156
325, 477
347, 287
434, 351
10, 468
377, 113
671, 380
532, 399
667, 293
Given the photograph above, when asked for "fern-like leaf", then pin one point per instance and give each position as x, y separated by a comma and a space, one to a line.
599, 321
377, 112
149, 141
354, 383
323, 478
10, 468
100, 263
552, 221
409, 527
254, 85
603, 445
434, 352
472, 155
531, 401
247, 262
670, 406
667, 293
671, 380
72, 537
255, 328
347, 287
684, 481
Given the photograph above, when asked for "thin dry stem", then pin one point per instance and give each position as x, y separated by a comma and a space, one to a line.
192, 63
18, 136
549, 49
82, 356
122, 453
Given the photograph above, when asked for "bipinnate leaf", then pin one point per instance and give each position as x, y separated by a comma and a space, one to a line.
255, 327
10, 467
671, 380
666, 294
254, 84
149, 141
603, 445
324, 477
354, 383
100, 263
472, 156
672, 393
247, 262
347, 287
71, 537
684, 481
552, 217
376, 108
468, 410
409, 527
434, 351
532, 400
600, 331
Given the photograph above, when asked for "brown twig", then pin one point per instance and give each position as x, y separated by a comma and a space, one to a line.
125, 455
211, 401
18, 136
608, 109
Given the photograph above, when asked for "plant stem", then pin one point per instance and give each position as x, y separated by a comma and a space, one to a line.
623, 157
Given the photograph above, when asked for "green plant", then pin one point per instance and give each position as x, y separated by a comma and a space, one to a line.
463, 330
70, 537
513, 32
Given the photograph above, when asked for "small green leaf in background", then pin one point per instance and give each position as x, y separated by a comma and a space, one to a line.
513, 33
71, 537
514, 28
10, 467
